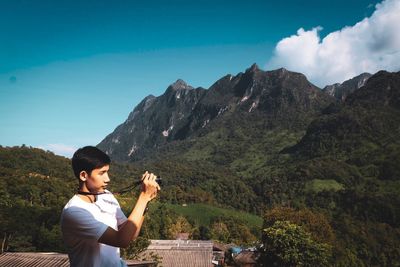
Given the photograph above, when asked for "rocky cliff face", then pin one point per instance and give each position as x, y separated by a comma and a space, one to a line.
153, 122
341, 90
280, 98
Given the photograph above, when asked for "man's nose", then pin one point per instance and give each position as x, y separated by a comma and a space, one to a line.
106, 178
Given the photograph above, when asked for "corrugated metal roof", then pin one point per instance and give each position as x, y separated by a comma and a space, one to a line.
34, 259
31, 259
137, 263
181, 244
182, 258
181, 253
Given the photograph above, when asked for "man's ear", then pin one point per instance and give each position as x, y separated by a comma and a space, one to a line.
83, 176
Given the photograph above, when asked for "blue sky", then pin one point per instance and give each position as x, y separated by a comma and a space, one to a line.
72, 71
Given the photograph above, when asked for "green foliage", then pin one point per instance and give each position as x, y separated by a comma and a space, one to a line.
35, 185
135, 247
367, 243
317, 185
27, 159
229, 230
389, 169
314, 222
328, 168
48, 238
203, 214
219, 231
164, 221
181, 225
288, 244
20, 243
243, 228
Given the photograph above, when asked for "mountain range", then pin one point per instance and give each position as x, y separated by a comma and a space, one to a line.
265, 132
277, 98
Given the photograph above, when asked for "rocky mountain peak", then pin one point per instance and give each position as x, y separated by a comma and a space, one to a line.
382, 89
282, 71
180, 85
253, 68
341, 90
283, 74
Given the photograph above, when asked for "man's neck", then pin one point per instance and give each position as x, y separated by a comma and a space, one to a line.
84, 197
87, 198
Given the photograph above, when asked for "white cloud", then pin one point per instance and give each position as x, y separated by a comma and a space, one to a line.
370, 45
60, 149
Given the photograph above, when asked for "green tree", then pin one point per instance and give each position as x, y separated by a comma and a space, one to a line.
219, 231
135, 247
181, 225
288, 244
313, 222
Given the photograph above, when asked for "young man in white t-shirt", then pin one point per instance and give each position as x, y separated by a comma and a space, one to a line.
92, 223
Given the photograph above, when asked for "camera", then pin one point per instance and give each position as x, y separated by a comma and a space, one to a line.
158, 180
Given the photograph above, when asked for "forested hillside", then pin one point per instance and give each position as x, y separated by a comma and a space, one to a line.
35, 185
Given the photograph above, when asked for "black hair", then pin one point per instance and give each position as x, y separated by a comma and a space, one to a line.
87, 159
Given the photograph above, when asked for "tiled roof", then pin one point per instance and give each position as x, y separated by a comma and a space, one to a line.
181, 253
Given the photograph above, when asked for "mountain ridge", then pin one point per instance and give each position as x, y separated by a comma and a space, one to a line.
341, 90
368, 114
183, 111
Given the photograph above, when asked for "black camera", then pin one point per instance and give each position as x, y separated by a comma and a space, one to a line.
158, 180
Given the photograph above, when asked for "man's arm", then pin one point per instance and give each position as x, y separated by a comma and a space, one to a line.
131, 228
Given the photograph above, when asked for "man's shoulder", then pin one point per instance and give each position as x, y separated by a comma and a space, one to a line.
77, 211
109, 198
73, 201
75, 206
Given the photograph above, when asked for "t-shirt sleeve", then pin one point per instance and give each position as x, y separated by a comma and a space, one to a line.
119, 214
121, 218
80, 223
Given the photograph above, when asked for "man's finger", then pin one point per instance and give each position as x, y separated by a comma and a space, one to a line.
144, 175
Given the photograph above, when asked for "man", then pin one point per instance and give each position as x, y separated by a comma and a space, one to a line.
92, 223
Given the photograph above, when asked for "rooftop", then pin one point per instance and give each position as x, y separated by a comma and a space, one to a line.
181, 253
25, 259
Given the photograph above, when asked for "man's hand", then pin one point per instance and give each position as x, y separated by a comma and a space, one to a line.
130, 229
150, 187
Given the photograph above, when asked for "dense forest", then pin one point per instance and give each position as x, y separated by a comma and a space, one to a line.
36, 184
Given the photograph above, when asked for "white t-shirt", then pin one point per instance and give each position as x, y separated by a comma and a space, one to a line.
82, 225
